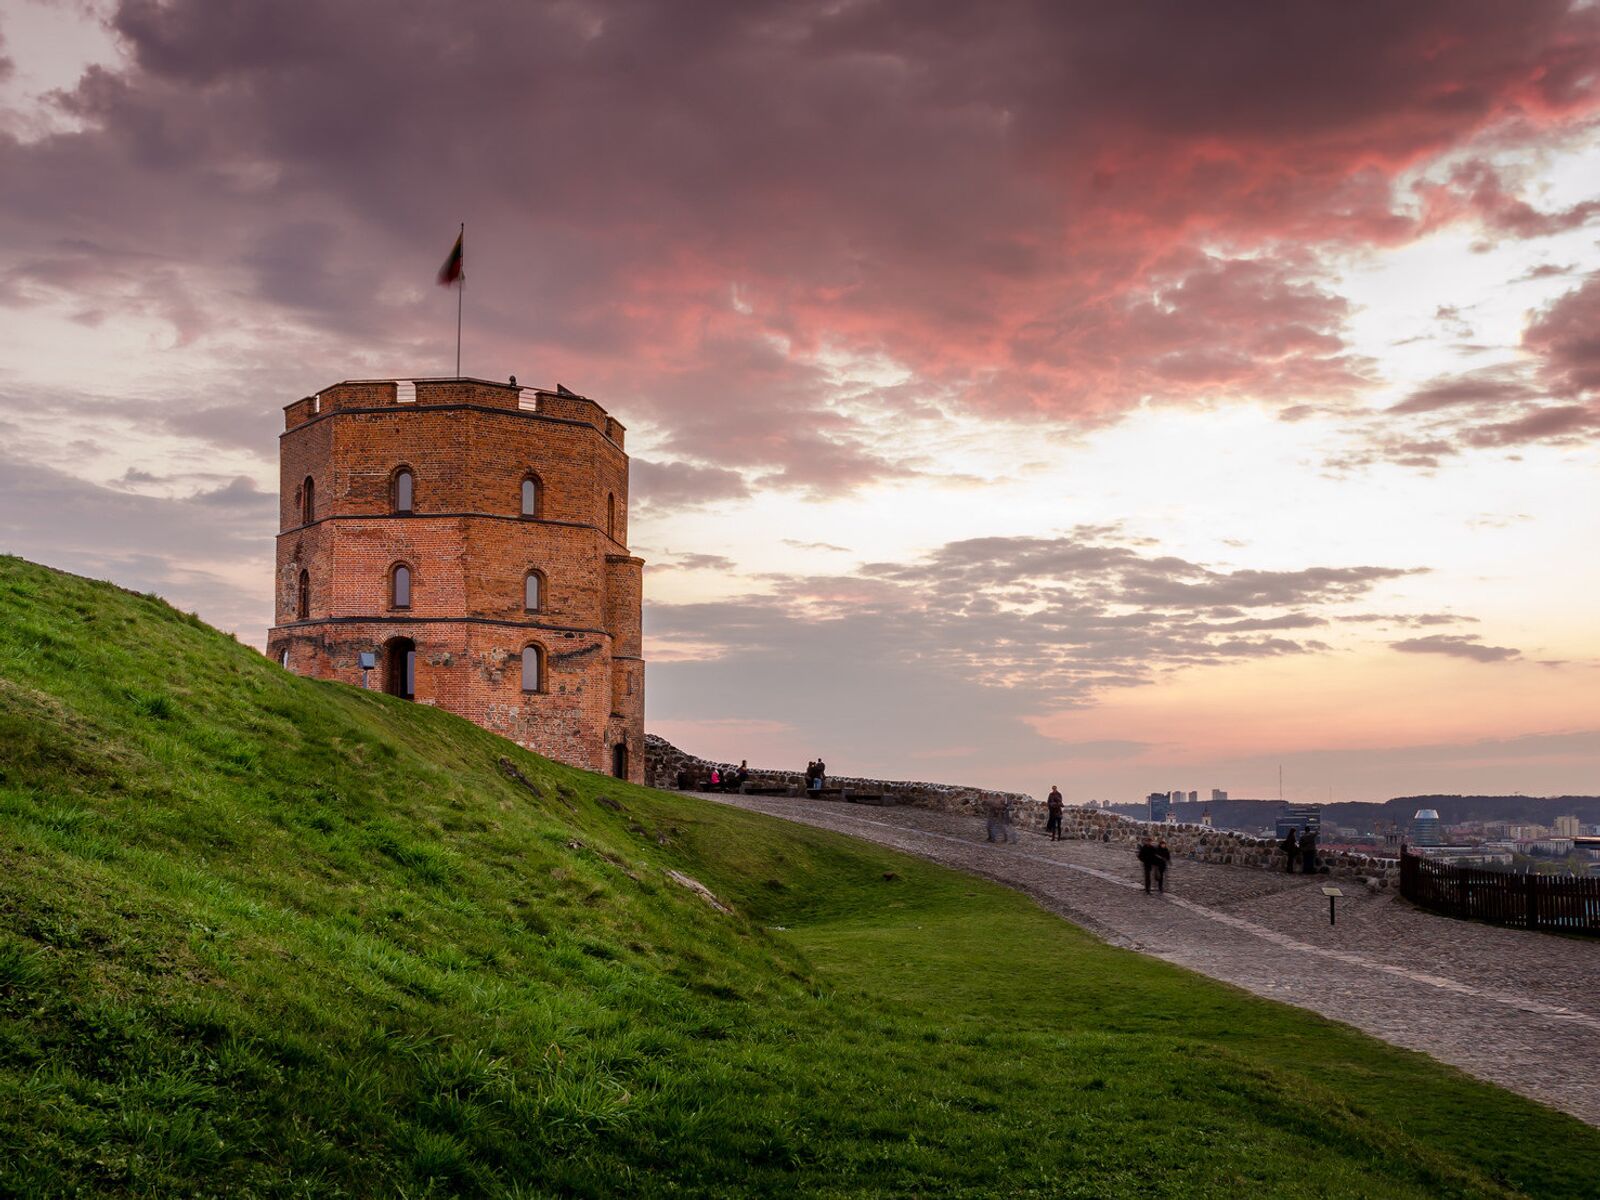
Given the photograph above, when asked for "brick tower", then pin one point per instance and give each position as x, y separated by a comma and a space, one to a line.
469, 541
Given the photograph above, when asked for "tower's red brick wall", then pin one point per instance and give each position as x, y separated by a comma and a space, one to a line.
469, 445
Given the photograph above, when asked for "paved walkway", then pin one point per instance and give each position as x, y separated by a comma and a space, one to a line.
1518, 1009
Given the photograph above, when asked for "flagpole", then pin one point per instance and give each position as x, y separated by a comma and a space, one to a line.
461, 292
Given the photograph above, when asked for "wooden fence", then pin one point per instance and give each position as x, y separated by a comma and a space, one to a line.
1552, 902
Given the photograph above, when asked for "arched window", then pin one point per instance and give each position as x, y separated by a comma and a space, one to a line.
400, 586
283, 659
401, 491
302, 599
532, 669
611, 515
308, 501
533, 591
532, 496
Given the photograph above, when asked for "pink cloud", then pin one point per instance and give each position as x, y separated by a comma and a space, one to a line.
1037, 209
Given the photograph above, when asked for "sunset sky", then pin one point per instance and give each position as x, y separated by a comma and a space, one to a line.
1128, 396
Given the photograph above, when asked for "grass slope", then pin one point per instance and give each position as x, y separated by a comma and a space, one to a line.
266, 936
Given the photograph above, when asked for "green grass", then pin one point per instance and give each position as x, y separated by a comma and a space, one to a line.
266, 936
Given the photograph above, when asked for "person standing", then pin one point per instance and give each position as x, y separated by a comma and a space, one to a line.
1053, 803
822, 773
1308, 852
1291, 849
1163, 861
1148, 858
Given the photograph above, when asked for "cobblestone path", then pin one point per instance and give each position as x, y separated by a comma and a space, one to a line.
1518, 1009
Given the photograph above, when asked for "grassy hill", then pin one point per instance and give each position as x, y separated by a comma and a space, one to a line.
263, 936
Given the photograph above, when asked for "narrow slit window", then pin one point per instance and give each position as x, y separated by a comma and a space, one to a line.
533, 591
308, 501
302, 600
404, 488
532, 668
530, 497
402, 586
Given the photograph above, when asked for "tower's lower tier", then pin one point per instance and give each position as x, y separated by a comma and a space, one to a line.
560, 693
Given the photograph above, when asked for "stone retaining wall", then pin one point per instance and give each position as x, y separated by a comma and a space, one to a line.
663, 761
1201, 843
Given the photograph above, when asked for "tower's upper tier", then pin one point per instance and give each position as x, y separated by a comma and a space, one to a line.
380, 394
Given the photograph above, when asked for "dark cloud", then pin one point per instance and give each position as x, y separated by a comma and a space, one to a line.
1488, 386
1457, 646
1012, 206
697, 562
980, 636
240, 493
1567, 338
1479, 188
669, 485
1420, 620
1552, 396
1546, 271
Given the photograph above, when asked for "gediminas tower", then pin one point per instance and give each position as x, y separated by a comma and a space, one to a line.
467, 542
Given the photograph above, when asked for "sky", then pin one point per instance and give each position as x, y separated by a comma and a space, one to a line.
1127, 396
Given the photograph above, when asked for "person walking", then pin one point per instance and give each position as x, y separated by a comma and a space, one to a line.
1053, 803
994, 812
1291, 849
1163, 861
1148, 858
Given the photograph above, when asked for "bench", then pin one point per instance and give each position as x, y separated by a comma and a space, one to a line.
827, 793
768, 789
881, 799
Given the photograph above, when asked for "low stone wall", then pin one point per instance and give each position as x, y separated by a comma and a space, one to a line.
1202, 843
663, 761
1193, 843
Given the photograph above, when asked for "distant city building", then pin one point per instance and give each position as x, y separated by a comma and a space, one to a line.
1194, 797
1218, 795
1552, 847
1425, 830
1302, 818
1160, 805
1472, 856
1568, 827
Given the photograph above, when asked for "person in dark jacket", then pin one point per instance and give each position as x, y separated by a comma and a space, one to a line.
1163, 861
1148, 858
1291, 849
1053, 804
1308, 852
